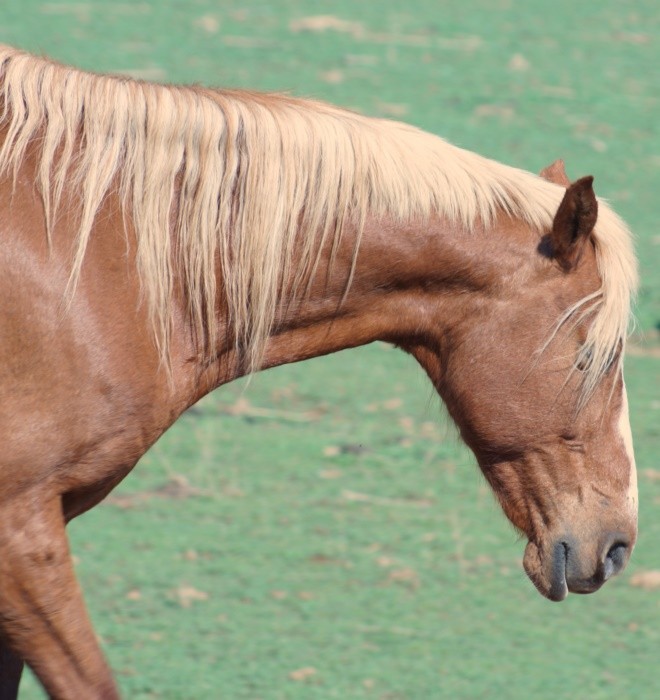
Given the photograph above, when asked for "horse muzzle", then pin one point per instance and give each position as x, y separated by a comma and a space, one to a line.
568, 565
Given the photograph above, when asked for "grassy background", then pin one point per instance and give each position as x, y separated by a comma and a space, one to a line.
324, 534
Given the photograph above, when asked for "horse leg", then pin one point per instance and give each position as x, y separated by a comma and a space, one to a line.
11, 667
42, 614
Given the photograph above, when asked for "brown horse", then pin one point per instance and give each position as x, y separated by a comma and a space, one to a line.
157, 242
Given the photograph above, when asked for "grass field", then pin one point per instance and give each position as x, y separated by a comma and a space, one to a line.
323, 534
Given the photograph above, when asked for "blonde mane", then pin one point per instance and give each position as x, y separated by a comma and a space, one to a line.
260, 182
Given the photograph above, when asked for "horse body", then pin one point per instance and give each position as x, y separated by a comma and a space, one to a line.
112, 326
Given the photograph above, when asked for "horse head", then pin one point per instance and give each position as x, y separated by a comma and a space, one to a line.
531, 372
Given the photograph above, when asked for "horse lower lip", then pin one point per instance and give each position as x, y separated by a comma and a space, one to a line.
585, 588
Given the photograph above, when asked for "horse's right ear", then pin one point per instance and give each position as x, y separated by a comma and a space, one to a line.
574, 221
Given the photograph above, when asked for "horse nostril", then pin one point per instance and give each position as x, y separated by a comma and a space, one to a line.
615, 559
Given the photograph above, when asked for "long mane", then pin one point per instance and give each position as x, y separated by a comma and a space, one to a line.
260, 182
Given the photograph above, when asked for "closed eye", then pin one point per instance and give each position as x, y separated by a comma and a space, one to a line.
575, 446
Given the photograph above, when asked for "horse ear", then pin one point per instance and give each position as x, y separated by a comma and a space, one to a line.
574, 221
556, 172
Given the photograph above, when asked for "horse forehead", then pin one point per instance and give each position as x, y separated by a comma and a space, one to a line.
523, 268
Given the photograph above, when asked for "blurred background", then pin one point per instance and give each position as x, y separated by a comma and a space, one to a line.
323, 533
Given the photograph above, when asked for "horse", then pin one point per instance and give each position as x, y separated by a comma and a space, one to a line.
160, 241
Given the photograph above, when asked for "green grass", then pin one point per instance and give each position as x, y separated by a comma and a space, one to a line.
327, 518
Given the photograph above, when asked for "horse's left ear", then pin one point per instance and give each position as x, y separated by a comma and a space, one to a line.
556, 172
574, 221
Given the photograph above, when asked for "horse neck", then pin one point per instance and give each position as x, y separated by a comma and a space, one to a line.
411, 281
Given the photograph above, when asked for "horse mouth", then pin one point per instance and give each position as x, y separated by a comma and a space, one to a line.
559, 572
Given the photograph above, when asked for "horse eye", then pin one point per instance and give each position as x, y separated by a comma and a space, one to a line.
584, 359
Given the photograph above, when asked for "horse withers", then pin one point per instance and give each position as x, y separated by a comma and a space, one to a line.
158, 242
